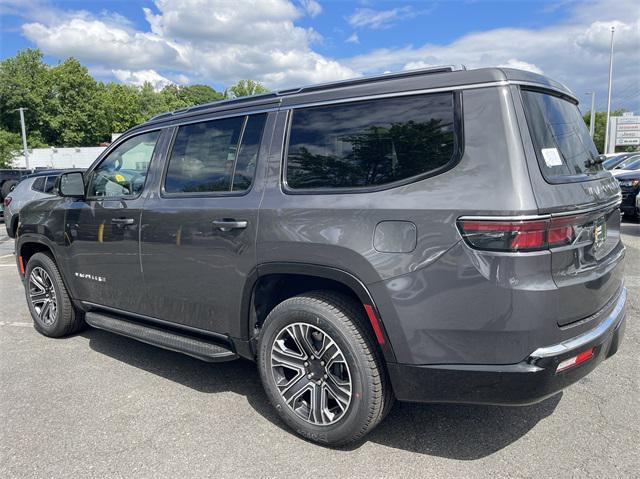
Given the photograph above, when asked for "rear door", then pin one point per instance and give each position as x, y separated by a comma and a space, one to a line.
571, 185
199, 234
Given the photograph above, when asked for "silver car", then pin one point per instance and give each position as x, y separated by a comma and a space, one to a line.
34, 187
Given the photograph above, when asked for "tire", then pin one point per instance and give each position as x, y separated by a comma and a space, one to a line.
61, 318
354, 389
7, 187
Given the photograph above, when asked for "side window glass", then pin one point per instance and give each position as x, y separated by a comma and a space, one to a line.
203, 156
124, 171
38, 184
248, 154
50, 183
370, 143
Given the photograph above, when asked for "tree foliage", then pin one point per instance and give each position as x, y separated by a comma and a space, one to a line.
600, 125
66, 106
245, 88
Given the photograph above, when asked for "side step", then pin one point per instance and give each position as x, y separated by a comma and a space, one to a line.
196, 347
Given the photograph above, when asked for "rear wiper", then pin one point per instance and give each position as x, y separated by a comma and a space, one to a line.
591, 162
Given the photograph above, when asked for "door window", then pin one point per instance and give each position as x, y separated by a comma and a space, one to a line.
124, 171
50, 184
215, 156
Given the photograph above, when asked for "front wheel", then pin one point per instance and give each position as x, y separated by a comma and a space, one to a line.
321, 368
51, 309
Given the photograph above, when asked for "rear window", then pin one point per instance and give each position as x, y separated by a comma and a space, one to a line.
38, 184
563, 146
371, 143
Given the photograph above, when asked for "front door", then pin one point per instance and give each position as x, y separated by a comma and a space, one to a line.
103, 230
198, 235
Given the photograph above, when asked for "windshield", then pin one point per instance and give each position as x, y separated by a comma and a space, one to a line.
564, 149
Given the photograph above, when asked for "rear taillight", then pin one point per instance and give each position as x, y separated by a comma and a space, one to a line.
7, 201
513, 236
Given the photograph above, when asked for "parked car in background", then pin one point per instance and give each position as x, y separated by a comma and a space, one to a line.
9, 178
630, 164
33, 187
613, 161
630, 185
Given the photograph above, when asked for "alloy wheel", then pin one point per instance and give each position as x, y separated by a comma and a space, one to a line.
311, 374
43, 296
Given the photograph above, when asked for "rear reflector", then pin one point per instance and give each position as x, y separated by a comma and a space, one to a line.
574, 361
21, 263
375, 324
513, 236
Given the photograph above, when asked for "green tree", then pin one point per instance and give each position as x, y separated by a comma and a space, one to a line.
600, 126
10, 146
245, 88
25, 81
120, 107
74, 114
199, 94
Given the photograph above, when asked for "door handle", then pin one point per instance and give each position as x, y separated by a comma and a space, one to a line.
123, 221
228, 225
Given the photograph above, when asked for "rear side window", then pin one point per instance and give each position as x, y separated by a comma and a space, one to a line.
50, 184
371, 143
38, 184
215, 156
562, 142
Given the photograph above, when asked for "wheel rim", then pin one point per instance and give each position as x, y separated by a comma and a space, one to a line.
311, 374
43, 296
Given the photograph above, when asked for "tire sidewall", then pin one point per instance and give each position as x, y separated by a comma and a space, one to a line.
359, 407
43, 261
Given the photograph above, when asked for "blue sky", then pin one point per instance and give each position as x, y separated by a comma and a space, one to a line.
286, 43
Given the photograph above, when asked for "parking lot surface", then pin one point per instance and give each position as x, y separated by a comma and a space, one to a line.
100, 405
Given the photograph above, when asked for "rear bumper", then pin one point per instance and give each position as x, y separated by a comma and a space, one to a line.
530, 381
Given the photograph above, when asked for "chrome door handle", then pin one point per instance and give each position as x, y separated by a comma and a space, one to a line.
228, 225
123, 221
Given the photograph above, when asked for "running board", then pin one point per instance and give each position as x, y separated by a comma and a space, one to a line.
189, 345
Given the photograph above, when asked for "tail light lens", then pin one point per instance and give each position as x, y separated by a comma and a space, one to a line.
7, 201
514, 236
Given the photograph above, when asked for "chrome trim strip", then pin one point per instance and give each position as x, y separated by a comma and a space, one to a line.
615, 316
591, 209
504, 218
353, 99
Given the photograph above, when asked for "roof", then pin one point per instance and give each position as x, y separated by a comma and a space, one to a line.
423, 79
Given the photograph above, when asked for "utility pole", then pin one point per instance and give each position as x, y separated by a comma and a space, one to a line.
606, 132
592, 117
24, 136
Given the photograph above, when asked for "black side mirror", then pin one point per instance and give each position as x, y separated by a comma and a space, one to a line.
71, 185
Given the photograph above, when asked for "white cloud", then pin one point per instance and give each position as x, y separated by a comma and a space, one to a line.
216, 41
141, 77
376, 19
353, 38
311, 7
222, 41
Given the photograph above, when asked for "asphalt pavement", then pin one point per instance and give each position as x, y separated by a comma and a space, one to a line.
100, 405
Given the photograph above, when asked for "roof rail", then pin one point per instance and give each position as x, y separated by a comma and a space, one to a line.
315, 87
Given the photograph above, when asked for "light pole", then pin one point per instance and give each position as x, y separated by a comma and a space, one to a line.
24, 136
606, 132
592, 123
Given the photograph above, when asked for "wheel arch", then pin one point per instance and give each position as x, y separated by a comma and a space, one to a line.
272, 283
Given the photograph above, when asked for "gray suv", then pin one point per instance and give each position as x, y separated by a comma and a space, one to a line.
436, 236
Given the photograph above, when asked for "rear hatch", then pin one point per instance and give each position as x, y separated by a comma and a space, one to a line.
571, 185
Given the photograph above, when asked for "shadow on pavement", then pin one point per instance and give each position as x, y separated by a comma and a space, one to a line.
463, 432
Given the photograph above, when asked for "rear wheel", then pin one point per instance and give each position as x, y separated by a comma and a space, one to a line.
321, 368
51, 308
